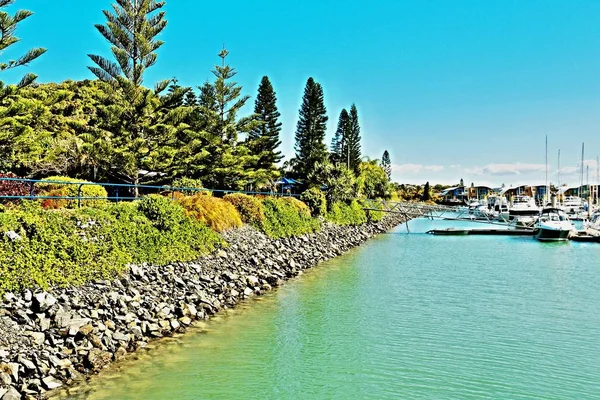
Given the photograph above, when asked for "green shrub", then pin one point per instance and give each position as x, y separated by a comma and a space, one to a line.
287, 217
69, 190
373, 215
218, 214
72, 247
164, 213
347, 214
250, 208
315, 200
187, 183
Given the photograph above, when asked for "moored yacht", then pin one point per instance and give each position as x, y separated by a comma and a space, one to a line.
554, 225
523, 211
573, 205
592, 227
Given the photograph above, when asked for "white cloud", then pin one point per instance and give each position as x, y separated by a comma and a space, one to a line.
506, 169
403, 169
576, 170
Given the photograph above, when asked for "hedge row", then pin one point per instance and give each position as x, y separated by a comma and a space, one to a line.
72, 246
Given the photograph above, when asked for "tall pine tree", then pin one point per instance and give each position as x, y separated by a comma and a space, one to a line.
263, 141
386, 164
230, 157
310, 130
141, 139
353, 141
426, 192
8, 25
339, 153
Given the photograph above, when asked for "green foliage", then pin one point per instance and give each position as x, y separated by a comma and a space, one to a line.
310, 131
372, 181
386, 164
216, 213
88, 190
339, 182
426, 192
347, 214
250, 208
8, 25
283, 218
164, 213
339, 148
353, 140
72, 247
263, 140
315, 199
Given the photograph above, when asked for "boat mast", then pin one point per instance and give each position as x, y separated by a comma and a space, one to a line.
582, 157
597, 180
547, 190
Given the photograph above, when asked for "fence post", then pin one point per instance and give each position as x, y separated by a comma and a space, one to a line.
31, 190
79, 196
117, 194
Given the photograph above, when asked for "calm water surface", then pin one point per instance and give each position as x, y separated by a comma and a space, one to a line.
404, 316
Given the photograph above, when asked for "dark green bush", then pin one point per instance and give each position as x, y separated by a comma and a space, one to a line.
315, 200
347, 214
283, 218
250, 208
164, 213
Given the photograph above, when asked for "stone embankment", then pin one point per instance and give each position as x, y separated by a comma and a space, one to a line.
53, 339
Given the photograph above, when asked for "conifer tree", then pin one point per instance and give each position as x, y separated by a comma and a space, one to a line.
310, 130
141, 139
263, 141
339, 153
8, 26
426, 193
353, 141
386, 164
190, 99
220, 105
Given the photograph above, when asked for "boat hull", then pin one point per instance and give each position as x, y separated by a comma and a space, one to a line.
552, 235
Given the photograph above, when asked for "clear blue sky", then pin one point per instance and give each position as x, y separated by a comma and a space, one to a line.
452, 89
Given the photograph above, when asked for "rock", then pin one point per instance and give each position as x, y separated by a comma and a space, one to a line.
86, 329
98, 359
12, 235
38, 337
51, 383
175, 324
74, 324
121, 337
110, 325
42, 301
5, 379
248, 292
11, 394
26, 363
252, 281
2, 392
185, 321
120, 353
44, 322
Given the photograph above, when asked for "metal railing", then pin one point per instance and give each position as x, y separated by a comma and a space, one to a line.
118, 189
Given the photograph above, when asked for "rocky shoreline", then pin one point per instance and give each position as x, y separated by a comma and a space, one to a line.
49, 340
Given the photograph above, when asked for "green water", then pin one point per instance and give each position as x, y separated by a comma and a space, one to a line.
404, 316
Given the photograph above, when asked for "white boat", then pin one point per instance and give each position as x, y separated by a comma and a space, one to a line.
592, 227
573, 205
498, 207
554, 225
523, 211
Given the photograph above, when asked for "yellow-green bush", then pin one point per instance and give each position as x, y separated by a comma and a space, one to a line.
218, 214
373, 215
250, 208
347, 214
314, 198
69, 190
74, 246
287, 217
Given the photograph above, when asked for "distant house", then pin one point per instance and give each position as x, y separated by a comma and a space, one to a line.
541, 193
584, 191
453, 195
523, 190
479, 192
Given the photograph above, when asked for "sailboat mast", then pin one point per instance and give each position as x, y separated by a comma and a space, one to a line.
546, 195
